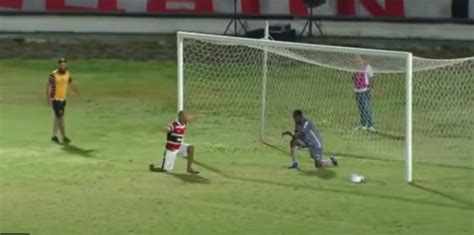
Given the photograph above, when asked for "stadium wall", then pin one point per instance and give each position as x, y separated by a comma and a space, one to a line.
151, 25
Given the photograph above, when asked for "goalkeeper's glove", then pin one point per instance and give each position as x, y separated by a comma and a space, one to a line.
287, 133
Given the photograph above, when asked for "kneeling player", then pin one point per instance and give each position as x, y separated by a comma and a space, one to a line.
175, 146
307, 136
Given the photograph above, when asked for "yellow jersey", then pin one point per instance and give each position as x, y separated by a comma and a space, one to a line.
59, 83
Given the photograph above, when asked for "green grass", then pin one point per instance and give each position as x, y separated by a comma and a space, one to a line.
100, 183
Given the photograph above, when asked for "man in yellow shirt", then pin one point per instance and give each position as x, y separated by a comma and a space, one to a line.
56, 93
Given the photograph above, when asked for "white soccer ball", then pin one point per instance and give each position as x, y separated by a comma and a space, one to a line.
356, 178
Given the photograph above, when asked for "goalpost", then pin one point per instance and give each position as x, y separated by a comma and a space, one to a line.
245, 85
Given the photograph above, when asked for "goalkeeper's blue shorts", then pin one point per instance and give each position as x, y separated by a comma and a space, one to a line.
315, 152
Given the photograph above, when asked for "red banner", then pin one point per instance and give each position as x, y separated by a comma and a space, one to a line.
101, 6
250, 7
173, 6
13, 4
374, 8
392, 8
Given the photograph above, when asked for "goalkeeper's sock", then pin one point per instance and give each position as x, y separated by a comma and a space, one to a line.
327, 163
294, 153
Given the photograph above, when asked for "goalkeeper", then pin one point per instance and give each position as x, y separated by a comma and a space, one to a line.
306, 135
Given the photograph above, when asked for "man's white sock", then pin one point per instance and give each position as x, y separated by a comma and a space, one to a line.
327, 163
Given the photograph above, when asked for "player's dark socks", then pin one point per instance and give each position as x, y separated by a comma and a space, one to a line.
55, 139
66, 140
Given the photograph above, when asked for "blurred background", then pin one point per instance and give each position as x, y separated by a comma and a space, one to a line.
435, 28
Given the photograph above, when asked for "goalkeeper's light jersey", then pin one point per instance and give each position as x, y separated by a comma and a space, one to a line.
309, 133
175, 135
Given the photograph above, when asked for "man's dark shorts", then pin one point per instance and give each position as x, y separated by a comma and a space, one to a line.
59, 107
315, 152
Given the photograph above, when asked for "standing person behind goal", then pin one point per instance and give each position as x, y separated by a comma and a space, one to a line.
175, 146
363, 85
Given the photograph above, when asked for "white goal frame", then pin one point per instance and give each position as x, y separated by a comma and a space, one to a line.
264, 43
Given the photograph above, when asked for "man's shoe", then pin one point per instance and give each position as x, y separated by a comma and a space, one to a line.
192, 171
151, 167
293, 165
334, 160
55, 139
66, 140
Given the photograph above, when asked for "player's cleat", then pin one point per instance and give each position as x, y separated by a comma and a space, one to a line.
66, 140
191, 171
371, 129
360, 127
55, 139
318, 164
151, 167
334, 160
293, 165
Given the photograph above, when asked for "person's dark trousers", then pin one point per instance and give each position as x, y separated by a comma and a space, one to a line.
364, 102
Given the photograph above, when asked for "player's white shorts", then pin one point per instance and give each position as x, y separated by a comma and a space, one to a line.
170, 156
183, 150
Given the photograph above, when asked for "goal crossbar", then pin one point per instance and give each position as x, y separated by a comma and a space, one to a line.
292, 45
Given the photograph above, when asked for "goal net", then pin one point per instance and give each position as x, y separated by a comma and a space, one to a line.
245, 90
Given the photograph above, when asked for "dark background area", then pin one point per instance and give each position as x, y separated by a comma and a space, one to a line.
163, 46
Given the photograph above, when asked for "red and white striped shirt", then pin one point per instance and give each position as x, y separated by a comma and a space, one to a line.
175, 136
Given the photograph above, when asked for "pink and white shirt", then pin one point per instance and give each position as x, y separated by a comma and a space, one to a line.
363, 78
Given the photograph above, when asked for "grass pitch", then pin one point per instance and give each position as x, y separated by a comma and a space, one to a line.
100, 183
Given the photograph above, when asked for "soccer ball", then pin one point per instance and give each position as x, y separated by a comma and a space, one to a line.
356, 178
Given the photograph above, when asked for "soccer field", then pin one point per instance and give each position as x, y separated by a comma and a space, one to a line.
100, 183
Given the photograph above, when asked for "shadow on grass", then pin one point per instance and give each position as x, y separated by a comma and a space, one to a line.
72, 149
274, 147
308, 187
323, 173
445, 195
339, 154
399, 161
190, 178
388, 135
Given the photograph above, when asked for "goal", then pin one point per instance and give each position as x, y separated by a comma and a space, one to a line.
244, 91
